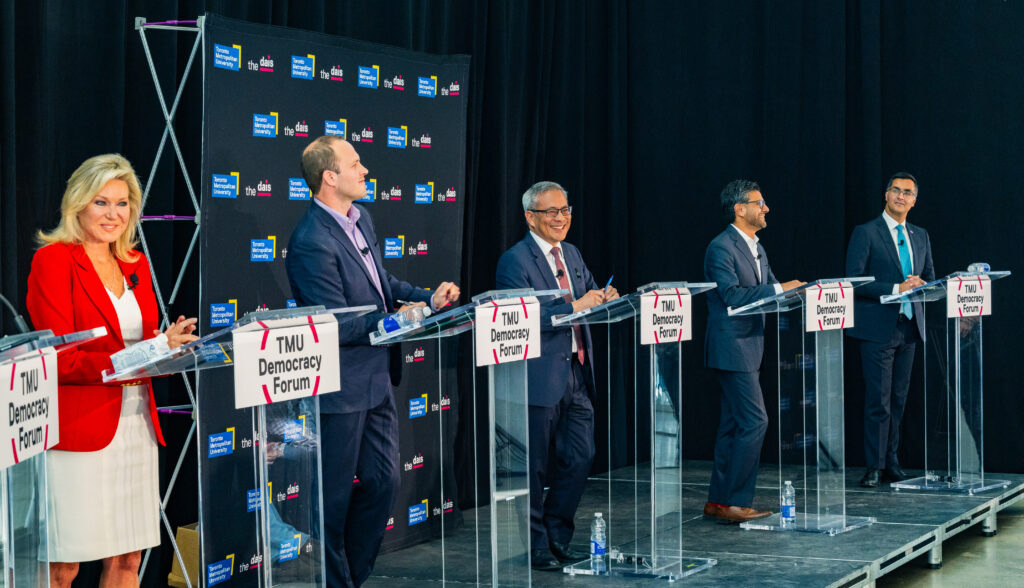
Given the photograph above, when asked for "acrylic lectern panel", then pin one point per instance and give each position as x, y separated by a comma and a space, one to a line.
809, 377
645, 531
500, 531
954, 308
23, 497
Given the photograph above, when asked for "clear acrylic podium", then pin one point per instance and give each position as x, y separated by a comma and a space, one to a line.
23, 513
810, 413
277, 522
503, 558
953, 387
645, 535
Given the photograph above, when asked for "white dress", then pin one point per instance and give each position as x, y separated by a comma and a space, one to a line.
107, 502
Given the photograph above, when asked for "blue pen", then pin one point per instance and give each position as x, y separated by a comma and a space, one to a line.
608, 285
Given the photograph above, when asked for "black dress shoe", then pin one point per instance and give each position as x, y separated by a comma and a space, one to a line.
894, 474
870, 479
566, 554
543, 560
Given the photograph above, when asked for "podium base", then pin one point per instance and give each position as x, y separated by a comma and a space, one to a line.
944, 483
669, 568
825, 524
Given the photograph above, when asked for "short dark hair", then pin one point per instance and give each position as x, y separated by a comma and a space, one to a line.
318, 157
902, 176
735, 192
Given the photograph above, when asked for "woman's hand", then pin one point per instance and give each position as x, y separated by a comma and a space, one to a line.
180, 332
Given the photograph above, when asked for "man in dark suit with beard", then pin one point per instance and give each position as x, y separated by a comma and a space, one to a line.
734, 349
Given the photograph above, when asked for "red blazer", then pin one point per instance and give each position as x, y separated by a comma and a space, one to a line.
65, 294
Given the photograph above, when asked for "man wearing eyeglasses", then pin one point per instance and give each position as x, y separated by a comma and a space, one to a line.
899, 256
734, 349
561, 380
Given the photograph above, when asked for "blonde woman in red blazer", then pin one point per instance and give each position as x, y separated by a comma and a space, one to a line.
103, 483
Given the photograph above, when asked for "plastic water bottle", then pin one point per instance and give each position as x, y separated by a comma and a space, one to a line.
979, 267
398, 320
788, 517
598, 544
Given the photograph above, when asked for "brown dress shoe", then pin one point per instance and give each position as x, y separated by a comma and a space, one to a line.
738, 514
711, 511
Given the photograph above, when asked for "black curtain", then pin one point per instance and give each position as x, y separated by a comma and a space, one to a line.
642, 110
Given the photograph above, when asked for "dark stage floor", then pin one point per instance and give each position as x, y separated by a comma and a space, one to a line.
909, 524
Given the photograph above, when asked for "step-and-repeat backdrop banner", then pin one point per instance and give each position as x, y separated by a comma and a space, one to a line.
269, 91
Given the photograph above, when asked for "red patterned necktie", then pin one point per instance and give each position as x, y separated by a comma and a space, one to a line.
563, 283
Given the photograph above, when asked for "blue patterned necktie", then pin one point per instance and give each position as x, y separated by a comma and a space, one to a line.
904, 251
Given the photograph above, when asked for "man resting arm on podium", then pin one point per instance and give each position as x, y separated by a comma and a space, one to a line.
899, 256
734, 349
561, 380
334, 259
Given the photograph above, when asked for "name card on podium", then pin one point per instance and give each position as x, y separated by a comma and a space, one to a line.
285, 359
829, 306
29, 388
970, 296
507, 330
665, 316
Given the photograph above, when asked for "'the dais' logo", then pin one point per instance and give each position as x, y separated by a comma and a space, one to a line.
224, 185
427, 87
423, 142
262, 250
227, 56
420, 248
264, 125
368, 76
297, 189
265, 64
417, 355
393, 247
447, 196
336, 127
395, 83
363, 136
451, 90
395, 193
299, 129
303, 67
334, 74
414, 464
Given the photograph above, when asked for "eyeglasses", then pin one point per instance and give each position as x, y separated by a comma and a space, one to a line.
906, 193
760, 203
551, 213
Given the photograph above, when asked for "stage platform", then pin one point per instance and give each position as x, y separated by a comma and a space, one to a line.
910, 524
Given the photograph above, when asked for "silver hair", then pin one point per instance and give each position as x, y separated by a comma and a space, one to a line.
534, 192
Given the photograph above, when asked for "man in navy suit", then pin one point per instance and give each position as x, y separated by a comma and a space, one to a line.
734, 349
561, 380
334, 259
899, 256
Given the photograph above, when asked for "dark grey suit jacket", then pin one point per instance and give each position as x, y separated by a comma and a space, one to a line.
735, 343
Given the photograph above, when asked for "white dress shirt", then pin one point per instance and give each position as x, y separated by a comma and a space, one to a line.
546, 248
892, 224
752, 245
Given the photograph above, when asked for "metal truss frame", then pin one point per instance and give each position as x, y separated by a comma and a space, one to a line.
194, 27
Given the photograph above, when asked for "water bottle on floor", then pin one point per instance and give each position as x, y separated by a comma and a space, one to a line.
788, 517
598, 544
